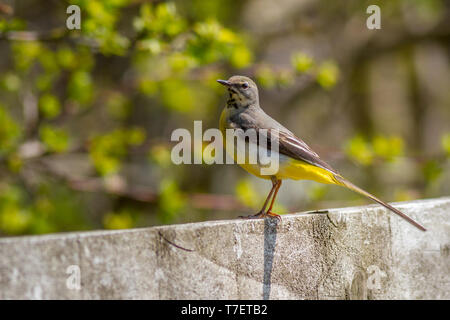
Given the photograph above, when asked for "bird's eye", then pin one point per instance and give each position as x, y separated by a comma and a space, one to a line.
245, 85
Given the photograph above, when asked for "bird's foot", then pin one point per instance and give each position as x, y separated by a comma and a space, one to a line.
273, 215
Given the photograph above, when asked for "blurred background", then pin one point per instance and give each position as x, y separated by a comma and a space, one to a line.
86, 115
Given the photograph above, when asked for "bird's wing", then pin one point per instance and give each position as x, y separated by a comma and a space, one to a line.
296, 148
288, 144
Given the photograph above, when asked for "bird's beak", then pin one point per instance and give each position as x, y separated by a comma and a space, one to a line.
224, 82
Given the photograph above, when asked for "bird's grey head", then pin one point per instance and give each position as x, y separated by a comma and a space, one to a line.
243, 92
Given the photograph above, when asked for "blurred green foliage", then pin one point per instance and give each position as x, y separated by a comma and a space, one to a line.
42, 214
49, 106
123, 219
14, 216
302, 62
108, 150
364, 151
160, 155
172, 200
9, 131
431, 170
10, 82
247, 194
446, 143
327, 74
80, 87
56, 139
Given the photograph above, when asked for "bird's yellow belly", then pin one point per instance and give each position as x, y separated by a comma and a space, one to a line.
254, 169
300, 170
295, 170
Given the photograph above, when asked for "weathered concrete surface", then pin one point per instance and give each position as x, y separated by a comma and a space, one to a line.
361, 252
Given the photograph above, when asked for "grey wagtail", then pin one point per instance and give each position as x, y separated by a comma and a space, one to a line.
296, 159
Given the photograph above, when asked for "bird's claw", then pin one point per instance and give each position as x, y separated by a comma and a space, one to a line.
253, 216
262, 215
273, 215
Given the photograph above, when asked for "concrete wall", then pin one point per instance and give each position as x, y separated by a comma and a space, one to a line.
349, 253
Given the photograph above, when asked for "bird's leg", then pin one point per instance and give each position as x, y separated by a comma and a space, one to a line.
269, 212
262, 212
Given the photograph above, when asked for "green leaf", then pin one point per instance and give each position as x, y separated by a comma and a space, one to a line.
285, 78
25, 54
14, 220
171, 200
148, 87
317, 192
160, 155
48, 60
432, 170
328, 74
160, 20
247, 194
56, 139
241, 57
118, 106
13, 24
66, 58
153, 46
107, 151
44, 81
266, 77
358, 149
56, 208
80, 87
302, 62
49, 106
445, 142
180, 61
185, 98
119, 220
388, 148
14, 162
14, 216
10, 82
9, 131
135, 136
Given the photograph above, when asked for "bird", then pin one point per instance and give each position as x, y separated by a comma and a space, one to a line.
297, 161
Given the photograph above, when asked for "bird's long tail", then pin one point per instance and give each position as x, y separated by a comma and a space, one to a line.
342, 181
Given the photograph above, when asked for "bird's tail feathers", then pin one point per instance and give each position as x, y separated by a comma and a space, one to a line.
344, 182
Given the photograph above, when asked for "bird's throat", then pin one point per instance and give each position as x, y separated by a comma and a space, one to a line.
232, 103
235, 101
